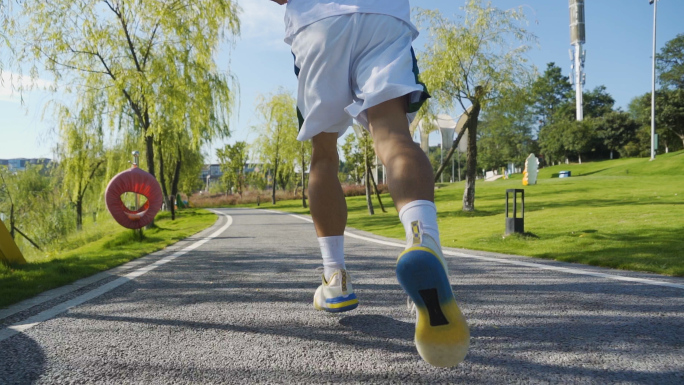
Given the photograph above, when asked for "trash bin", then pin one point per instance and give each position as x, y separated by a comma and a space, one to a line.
564, 174
515, 224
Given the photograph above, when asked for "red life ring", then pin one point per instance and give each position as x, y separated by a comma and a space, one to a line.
136, 181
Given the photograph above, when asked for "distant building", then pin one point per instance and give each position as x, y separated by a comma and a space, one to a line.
211, 169
214, 170
19, 164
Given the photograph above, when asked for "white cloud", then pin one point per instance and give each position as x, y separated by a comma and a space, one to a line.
11, 83
262, 23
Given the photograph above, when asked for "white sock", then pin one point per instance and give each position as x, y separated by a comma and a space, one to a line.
332, 249
423, 211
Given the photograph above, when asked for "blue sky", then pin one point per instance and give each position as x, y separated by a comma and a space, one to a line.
619, 44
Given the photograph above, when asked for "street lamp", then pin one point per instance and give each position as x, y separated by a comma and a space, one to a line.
577, 39
653, 76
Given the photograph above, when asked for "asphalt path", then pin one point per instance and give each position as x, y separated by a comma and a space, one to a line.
233, 304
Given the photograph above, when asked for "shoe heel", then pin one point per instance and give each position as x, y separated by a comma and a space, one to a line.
345, 304
442, 336
421, 274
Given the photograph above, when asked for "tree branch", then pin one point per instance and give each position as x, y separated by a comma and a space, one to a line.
124, 26
149, 45
90, 177
27, 238
53, 60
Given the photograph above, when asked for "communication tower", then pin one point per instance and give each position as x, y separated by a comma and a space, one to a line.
577, 54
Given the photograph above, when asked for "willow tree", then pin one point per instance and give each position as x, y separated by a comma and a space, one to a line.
5, 23
81, 151
190, 180
178, 159
232, 160
471, 60
153, 58
276, 144
196, 98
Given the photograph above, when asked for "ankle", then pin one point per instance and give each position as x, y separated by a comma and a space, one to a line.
328, 271
332, 251
425, 214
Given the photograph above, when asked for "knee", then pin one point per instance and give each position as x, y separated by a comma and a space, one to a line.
324, 158
324, 151
396, 146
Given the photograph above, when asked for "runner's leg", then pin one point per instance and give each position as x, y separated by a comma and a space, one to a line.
329, 212
328, 207
409, 173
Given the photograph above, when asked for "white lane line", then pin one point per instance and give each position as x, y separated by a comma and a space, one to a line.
43, 316
513, 262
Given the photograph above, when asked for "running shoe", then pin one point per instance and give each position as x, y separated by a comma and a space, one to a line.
337, 294
442, 336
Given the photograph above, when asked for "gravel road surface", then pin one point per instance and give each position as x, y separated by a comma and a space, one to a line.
237, 308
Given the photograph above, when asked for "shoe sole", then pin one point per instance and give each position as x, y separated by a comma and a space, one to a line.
442, 336
338, 304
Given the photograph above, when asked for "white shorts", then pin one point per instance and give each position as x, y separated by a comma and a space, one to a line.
349, 63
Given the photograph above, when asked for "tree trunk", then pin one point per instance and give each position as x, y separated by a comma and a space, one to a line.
12, 220
366, 179
174, 184
458, 160
81, 195
149, 146
471, 159
454, 146
273, 182
282, 181
579, 157
240, 179
79, 206
79, 212
162, 178
369, 200
377, 193
611, 154
303, 181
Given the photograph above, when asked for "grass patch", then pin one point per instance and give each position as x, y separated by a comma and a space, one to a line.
624, 214
101, 247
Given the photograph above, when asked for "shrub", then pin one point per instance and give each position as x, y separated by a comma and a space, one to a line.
251, 196
357, 189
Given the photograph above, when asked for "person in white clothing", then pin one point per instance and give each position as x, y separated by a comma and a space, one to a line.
354, 60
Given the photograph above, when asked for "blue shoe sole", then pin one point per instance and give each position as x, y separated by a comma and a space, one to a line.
422, 276
341, 309
339, 304
442, 336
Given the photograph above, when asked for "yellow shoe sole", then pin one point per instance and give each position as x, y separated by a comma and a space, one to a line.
442, 336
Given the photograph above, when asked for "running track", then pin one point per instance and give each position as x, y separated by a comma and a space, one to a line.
232, 304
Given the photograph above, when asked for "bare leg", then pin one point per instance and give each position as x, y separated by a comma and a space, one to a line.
326, 199
329, 212
410, 179
409, 172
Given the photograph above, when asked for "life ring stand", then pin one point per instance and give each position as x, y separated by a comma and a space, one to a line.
136, 181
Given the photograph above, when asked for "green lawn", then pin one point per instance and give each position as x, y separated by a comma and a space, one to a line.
626, 214
100, 247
